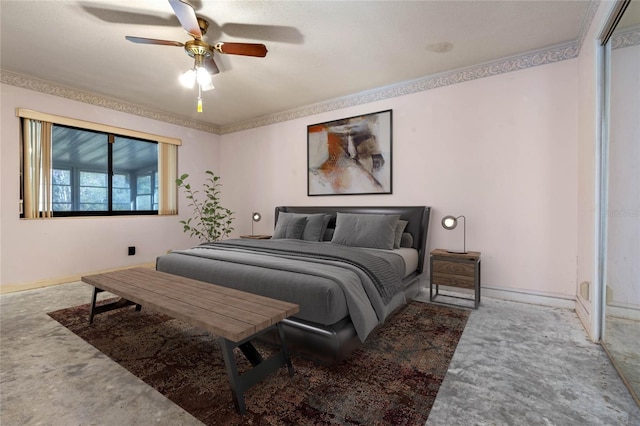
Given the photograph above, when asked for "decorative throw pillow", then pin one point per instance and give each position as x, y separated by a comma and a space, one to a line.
365, 230
289, 226
314, 227
399, 230
407, 240
328, 234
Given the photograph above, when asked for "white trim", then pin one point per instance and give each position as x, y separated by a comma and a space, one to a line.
562, 301
626, 312
586, 23
583, 316
627, 38
88, 125
554, 300
599, 248
12, 288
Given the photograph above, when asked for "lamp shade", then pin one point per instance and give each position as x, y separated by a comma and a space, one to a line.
188, 78
255, 217
450, 222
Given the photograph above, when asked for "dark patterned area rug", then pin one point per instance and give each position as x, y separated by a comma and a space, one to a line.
392, 379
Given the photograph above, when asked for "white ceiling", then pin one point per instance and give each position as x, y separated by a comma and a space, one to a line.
318, 50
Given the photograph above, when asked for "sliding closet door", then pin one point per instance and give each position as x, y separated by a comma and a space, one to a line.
621, 218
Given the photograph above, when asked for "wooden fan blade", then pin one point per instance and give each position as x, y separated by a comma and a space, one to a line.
154, 41
211, 66
187, 17
246, 49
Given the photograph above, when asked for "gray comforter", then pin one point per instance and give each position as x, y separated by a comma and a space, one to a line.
370, 280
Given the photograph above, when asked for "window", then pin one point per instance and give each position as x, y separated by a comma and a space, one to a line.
72, 167
96, 173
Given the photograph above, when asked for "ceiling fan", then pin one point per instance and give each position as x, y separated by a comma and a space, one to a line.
202, 52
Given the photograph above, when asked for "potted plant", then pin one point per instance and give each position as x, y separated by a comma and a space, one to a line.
210, 221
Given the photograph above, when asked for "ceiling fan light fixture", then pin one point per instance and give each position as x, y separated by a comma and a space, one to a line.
201, 52
208, 87
203, 77
188, 78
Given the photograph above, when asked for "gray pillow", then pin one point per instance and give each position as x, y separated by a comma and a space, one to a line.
407, 240
315, 227
365, 230
315, 224
399, 230
328, 234
289, 227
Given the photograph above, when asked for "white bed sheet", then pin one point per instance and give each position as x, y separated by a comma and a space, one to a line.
410, 256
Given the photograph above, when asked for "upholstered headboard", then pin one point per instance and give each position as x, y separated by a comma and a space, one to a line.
417, 216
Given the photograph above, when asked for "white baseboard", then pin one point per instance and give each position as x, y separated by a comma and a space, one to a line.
522, 296
627, 312
530, 297
585, 317
12, 288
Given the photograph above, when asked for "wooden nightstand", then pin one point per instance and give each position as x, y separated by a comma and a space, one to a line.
256, 237
460, 270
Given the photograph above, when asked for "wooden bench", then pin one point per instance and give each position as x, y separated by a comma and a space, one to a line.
235, 316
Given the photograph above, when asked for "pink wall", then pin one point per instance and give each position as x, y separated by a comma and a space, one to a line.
500, 150
50, 250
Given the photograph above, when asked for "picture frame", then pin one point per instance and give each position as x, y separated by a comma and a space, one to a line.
351, 156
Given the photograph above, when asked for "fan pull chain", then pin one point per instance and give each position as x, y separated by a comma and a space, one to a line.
199, 98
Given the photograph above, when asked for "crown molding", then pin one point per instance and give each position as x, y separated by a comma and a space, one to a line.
586, 23
50, 88
627, 38
514, 63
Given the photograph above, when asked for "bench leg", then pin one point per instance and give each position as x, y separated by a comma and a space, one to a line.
261, 367
121, 303
251, 353
232, 371
92, 310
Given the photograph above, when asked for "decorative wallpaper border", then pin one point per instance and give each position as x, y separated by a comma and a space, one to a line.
627, 38
514, 63
519, 62
50, 88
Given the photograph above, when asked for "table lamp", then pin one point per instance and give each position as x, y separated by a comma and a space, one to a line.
449, 223
255, 217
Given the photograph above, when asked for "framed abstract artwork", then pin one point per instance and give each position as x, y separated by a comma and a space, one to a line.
350, 156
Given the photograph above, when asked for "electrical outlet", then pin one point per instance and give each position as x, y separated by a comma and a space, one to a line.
132, 250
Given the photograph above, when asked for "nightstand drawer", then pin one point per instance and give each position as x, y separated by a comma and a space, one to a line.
451, 280
466, 269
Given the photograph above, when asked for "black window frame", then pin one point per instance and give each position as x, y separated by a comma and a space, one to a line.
75, 184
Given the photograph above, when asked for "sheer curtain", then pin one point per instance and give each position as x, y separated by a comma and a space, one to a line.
167, 175
37, 168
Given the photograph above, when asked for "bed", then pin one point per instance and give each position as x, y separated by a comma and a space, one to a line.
348, 268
